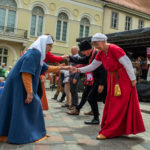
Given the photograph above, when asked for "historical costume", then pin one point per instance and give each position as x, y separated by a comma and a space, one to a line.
53, 59
21, 115
121, 115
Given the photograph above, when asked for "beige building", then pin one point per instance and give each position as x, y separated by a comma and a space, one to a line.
22, 21
124, 15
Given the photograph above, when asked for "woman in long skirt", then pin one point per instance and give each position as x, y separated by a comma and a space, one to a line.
121, 115
53, 59
21, 115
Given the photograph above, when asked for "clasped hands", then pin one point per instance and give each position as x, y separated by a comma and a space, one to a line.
65, 57
70, 68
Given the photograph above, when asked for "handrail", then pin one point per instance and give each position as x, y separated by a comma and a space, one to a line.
13, 32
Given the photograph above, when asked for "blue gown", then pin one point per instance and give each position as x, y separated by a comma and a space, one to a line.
21, 122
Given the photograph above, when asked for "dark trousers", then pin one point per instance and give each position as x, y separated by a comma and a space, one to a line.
74, 92
63, 96
91, 95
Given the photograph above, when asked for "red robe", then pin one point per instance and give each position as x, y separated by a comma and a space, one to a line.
121, 115
53, 59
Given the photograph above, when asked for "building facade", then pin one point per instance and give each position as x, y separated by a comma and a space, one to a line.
125, 15
22, 21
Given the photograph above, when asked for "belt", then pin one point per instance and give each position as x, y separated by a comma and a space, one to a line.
111, 78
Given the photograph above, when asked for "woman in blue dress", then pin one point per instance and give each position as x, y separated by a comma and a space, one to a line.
21, 115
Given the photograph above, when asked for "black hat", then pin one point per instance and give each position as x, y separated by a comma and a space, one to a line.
85, 45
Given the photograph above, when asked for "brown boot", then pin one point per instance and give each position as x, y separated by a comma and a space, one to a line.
73, 112
71, 107
89, 113
101, 137
65, 105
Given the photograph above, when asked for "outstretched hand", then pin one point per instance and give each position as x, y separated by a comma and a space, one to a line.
65, 57
73, 70
64, 67
63, 64
70, 68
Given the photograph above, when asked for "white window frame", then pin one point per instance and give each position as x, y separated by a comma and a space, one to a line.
61, 30
127, 23
6, 16
140, 26
2, 55
37, 20
36, 26
84, 26
112, 20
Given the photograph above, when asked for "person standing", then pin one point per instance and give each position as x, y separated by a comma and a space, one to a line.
2, 70
95, 83
67, 88
121, 115
7, 71
62, 98
74, 79
60, 86
53, 59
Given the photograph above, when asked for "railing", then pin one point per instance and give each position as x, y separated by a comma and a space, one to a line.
13, 32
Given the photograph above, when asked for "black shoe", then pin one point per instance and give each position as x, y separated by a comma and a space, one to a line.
60, 100
54, 98
92, 122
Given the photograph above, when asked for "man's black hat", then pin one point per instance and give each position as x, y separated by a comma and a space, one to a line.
85, 45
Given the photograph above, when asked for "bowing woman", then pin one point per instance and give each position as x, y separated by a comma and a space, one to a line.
21, 115
121, 115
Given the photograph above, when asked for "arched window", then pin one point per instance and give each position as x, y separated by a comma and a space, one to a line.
62, 23
3, 56
84, 27
7, 14
37, 21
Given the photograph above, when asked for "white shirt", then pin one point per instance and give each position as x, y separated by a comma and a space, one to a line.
66, 75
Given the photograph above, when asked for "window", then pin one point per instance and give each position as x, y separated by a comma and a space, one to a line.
3, 56
7, 15
114, 20
37, 21
141, 24
62, 25
128, 23
84, 28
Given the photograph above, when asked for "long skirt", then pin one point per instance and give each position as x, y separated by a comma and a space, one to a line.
44, 98
121, 115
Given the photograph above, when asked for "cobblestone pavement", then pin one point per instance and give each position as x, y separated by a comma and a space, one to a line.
70, 132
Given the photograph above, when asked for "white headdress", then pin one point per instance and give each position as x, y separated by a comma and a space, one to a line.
40, 45
99, 37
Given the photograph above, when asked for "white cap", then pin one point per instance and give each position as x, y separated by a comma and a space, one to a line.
99, 37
